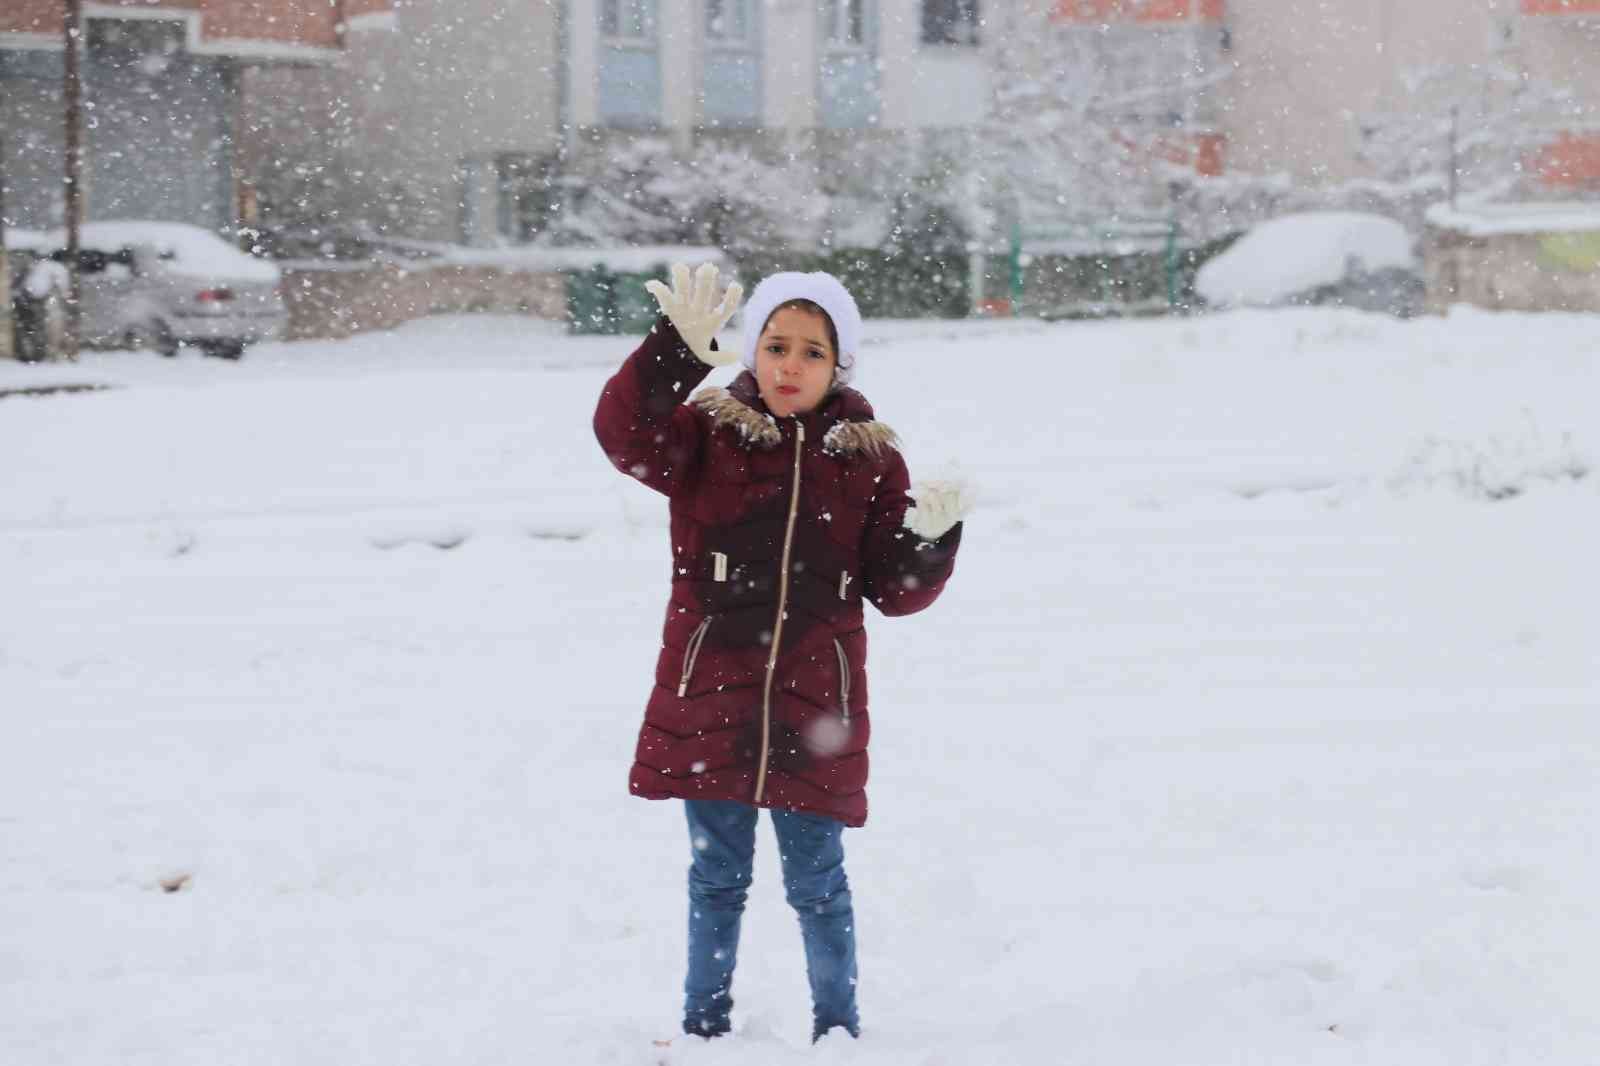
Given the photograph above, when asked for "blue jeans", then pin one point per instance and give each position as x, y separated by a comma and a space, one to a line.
722, 836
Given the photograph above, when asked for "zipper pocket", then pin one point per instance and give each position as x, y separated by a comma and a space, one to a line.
844, 679
691, 653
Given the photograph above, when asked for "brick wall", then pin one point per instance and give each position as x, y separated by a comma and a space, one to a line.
307, 22
1513, 272
1561, 7
32, 16
332, 302
1137, 10
302, 22
1571, 161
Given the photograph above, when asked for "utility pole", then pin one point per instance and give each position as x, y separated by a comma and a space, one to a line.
7, 330
72, 32
1455, 154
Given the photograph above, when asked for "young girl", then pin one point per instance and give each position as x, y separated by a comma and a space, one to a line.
790, 508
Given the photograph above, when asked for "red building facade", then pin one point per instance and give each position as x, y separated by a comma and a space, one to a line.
218, 27
164, 81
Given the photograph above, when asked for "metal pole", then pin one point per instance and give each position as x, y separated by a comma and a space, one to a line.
1455, 151
72, 31
1016, 265
6, 325
1172, 263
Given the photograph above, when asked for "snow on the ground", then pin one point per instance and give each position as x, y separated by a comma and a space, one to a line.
1296, 253
1258, 724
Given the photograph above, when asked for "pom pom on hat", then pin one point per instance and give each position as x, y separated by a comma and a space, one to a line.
820, 288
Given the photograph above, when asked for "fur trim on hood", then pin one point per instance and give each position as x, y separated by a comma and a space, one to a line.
758, 429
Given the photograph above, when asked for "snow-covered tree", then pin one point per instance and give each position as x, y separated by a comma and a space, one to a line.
1086, 118
750, 205
1478, 125
643, 191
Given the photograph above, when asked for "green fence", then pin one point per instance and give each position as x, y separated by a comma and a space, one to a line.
1132, 263
602, 300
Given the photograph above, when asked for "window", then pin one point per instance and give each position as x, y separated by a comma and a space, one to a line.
728, 21
845, 22
950, 21
628, 19
526, 195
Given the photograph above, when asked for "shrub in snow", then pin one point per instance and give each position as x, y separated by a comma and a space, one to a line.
1499, 468
642, 191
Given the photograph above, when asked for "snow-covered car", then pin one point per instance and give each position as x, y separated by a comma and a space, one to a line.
161, 285
1338, 258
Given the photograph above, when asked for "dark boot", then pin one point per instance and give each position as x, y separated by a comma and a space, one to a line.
820, 1030
707, 1025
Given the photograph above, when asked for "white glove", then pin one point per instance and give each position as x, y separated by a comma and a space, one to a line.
689, 305
936, 506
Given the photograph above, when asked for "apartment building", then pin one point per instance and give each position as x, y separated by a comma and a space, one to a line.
164, 80
1254, 87
880, 93
678, 66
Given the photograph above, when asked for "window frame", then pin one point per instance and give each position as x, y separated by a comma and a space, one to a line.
960, 20
648, 23
744, 39
862, 43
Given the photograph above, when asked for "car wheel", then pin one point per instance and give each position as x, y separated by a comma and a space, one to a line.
40, 326
29, 346
30, 339
154, 336
226, 349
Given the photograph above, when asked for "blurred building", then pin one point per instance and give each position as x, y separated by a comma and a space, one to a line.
1048, 96
445, 127
1335, 92
682, 66
164, 81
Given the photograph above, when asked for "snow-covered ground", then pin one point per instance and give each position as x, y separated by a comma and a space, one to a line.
1259, 723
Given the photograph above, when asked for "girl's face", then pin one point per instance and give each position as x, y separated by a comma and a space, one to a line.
794, 361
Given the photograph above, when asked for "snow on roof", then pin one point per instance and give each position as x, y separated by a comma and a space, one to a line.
31, 239
1295, 253
194, 251
1490, 220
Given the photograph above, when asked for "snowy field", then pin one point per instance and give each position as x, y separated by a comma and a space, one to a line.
1260, 723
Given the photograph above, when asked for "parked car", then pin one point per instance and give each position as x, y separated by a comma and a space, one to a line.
161, 285
38, 301
1339, 258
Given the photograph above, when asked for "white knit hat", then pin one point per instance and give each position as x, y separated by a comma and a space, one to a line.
822, 289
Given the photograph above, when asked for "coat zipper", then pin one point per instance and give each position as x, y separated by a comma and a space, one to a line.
691, 653
783, 606
844, 679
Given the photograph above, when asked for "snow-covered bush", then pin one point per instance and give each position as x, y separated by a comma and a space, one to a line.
631, 191
1501, 467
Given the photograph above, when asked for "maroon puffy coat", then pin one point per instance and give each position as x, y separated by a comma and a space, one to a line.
781, 528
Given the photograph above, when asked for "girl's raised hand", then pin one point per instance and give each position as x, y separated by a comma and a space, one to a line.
692, 306
938, 505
